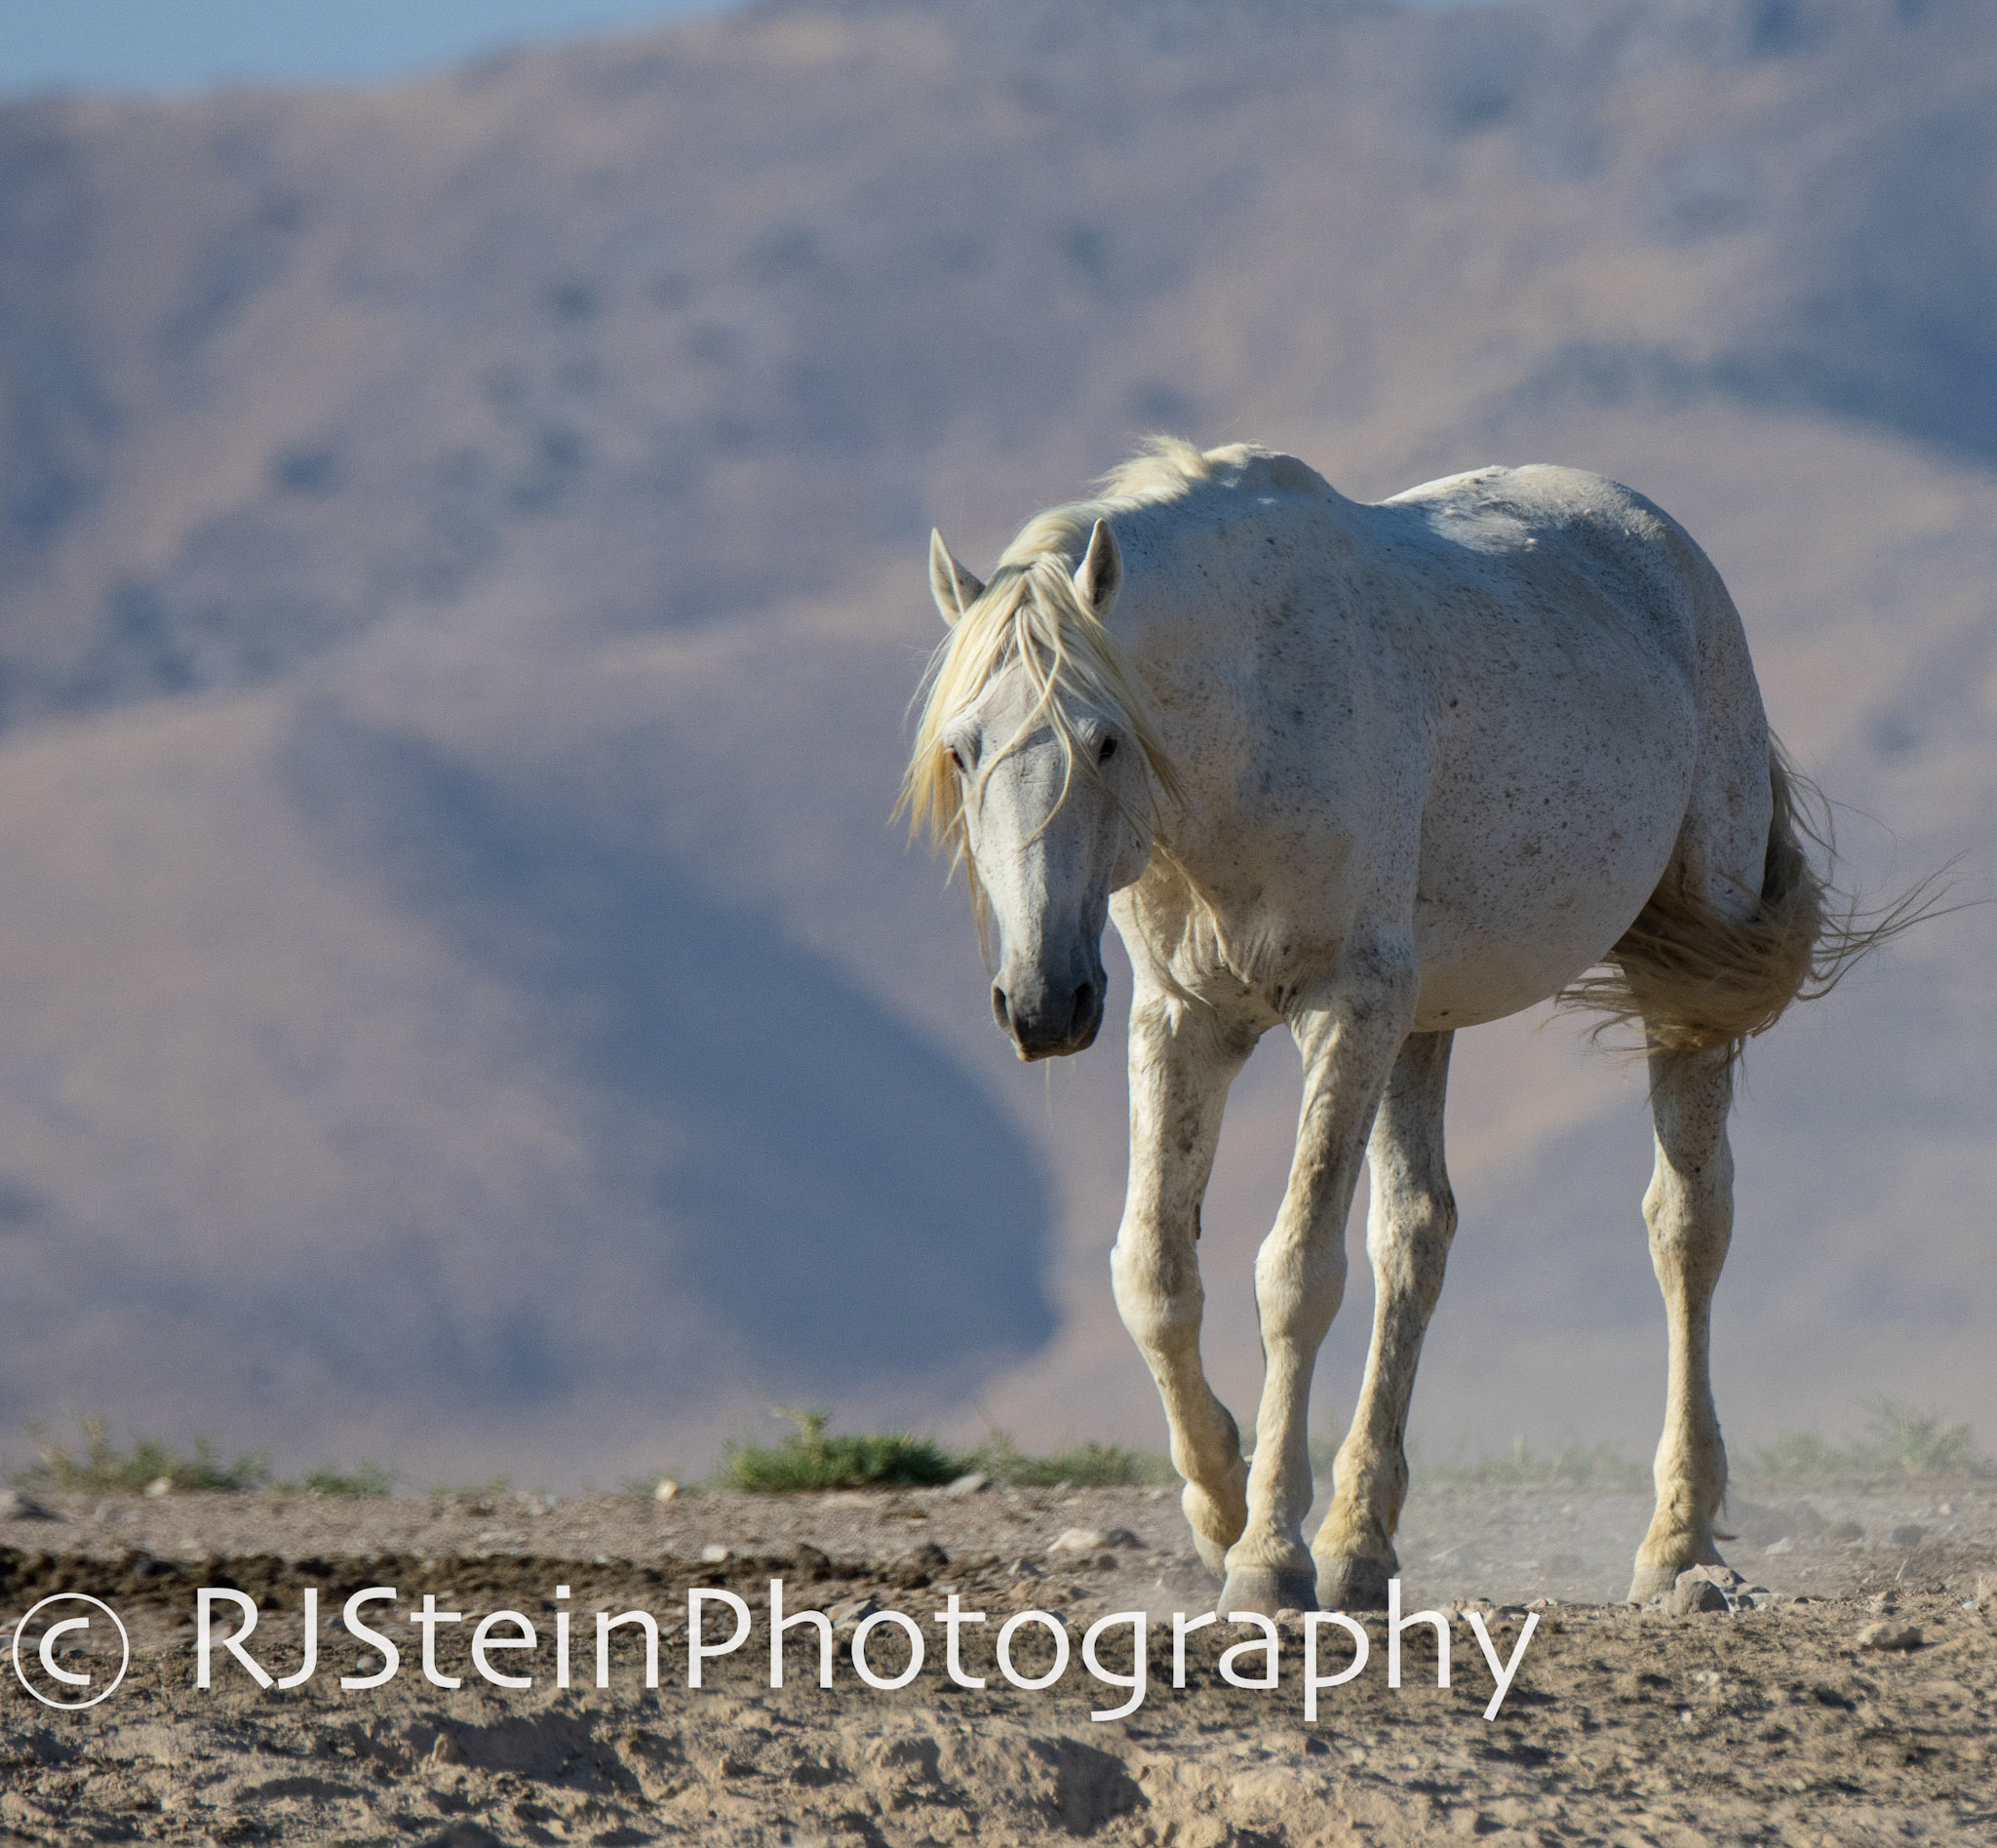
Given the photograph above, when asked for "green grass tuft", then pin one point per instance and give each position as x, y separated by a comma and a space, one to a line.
481, 1497
1084, 1465
1900, 1446
1599, 1466
363, 1482
102, 1468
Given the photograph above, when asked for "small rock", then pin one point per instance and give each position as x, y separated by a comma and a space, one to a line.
1024, 1570
1846, 1530
1986, 1589
1122, 1536
160, 1485
970, 1485
1080, 1539
716, 1555
1885, 1635
14, 1506
1784, 1544
666, 1491
815, 1561
1692, 1593
845, 1616
1908, 1535
447, 1750
929, 1556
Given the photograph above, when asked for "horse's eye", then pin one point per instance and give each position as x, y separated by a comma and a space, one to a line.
957, 757
1108, 751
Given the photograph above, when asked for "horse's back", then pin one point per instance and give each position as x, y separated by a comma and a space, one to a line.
1597, 545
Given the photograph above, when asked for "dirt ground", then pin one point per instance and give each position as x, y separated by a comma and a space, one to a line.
1788, 1723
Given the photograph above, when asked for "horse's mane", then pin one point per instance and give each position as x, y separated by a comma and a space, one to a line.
1032, 614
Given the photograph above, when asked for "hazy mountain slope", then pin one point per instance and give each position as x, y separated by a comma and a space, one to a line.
461, 577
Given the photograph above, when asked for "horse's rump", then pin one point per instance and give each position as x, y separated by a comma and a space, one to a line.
1695, 978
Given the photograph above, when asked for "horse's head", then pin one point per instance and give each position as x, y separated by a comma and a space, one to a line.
1033, 762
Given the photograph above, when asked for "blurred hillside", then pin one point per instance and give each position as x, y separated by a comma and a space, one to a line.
461, 577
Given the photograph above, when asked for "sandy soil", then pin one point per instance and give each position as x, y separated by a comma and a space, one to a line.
1785, 1724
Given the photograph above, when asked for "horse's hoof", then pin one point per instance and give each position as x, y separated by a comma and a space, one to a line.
1657, 1581
1266, 1590
1652, 1581
1654, 1576
1348, 1582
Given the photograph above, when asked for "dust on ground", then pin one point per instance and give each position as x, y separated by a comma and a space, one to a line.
1787, 1723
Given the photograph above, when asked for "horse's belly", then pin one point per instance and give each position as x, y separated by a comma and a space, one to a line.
1514, 905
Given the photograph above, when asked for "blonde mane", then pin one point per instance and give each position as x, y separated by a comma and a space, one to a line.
1031, 615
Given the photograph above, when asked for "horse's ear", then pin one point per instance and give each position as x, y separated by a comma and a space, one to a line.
953, 588
1100, 574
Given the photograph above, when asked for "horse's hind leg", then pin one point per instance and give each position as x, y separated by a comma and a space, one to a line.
1409, 1227
1689, 1208
1182, 1060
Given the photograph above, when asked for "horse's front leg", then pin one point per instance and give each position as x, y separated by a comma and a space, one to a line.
1348, 1047
1408, 1234
1182, 1060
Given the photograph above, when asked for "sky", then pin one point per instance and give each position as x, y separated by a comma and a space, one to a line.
169, 45
177, 45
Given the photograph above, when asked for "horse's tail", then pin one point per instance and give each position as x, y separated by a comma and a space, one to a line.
1693, 978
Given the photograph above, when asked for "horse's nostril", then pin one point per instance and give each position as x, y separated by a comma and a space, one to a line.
999, 1011
1084, 1008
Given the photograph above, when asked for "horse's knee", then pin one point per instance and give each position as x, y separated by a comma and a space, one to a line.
1159, 1300
1298, 1290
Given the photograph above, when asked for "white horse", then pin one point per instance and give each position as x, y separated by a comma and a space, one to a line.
1374, 772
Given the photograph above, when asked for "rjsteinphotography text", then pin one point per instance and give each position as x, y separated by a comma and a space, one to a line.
885, 1648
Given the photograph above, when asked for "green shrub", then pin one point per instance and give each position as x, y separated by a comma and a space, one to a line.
811, 1459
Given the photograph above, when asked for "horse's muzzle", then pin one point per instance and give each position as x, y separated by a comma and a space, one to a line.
1044, 1021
